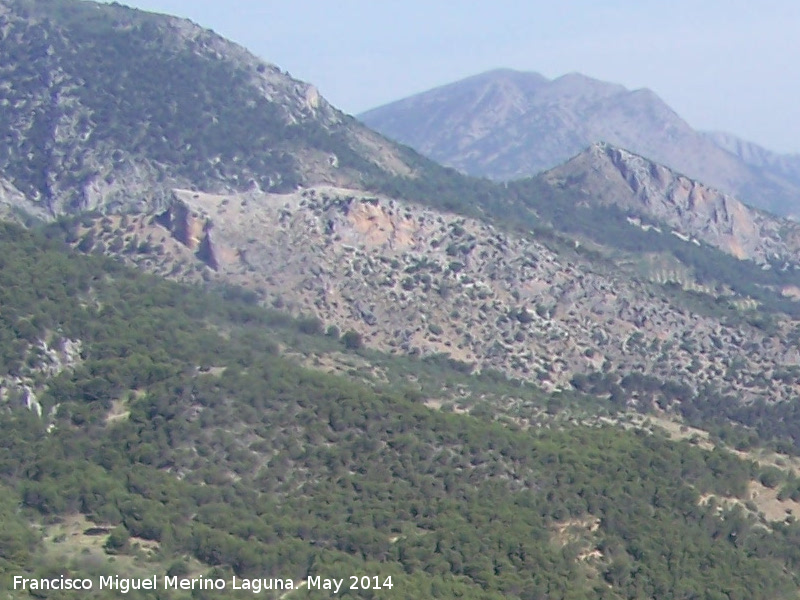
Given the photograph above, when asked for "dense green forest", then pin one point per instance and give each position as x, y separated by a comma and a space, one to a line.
184, 434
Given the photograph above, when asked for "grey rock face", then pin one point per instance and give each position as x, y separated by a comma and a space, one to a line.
612, 176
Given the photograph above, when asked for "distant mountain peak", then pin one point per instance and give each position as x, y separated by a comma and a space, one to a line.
507, 124
514, 74
528, 124
575, 78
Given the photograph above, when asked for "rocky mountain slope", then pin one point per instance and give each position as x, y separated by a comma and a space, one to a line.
109, 107
506, 125
606, 175
410, 280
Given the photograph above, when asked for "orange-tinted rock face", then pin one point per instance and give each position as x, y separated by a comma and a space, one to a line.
193, 228
376, 226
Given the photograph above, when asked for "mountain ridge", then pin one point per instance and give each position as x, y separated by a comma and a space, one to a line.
213, 215
613, 176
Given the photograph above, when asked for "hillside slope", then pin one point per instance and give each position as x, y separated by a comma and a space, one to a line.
448, 400
411, 280
108, 107
181, 438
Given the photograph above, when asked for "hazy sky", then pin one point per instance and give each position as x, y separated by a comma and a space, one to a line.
732, 65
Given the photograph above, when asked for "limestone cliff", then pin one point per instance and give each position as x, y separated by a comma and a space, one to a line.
193, 227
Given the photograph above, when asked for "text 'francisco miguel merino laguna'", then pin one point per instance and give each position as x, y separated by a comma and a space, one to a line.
124, 585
